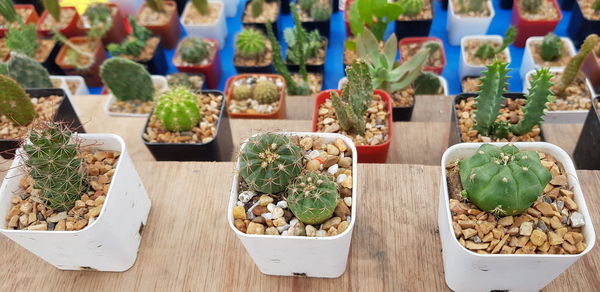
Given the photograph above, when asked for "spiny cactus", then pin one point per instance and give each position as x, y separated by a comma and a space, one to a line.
194, 50
22, 39
257, 7
53, 8
320, 11
133, 45
538, 96
14, 102
250, 43
312, 198
7, 10
269, 162
574, 65
427, 83
178, 109
265, 92
201, 6
357, 95
306, 4
28, 72
412, 7
242, 92
486, 51
99, 15
531, 6
52, 160
503, 180
126, 79
156, 5
551, 47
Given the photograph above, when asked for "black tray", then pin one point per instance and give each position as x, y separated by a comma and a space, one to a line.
587, 151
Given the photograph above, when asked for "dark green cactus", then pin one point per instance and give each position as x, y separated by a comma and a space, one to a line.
22, 39
242, 92
486, 51
427, 83
489, 99
257, 7
574, 65
412, 7
538, 95
133, 45
126, 79
531, 6
503, 181
201, 6
320, 11
53, 8
269, 162
265, 92
14, 102
357, 95
312, 198
178, 109
28, 72
194, 50
551, 47
7, 10
250, 43
156, 5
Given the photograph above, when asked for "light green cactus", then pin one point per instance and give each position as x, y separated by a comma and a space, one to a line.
178, 109
201, 6
351, 106
15, 103
257, 7
126, 79
250, 43
306, 4
486, 51
53, 8
574, 65
312, 198
538, 95
242, 92
156, 5
265, 92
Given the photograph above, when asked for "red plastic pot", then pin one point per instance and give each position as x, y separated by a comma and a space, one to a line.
70, 30
92, 74
418, 40
278, 113
366, 153
32, 18
212, 71
170, 31
117, 32
528, 28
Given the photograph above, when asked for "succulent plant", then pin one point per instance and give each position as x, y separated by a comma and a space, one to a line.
22, 39
357, 95
250, 43
306, 4
242, 92
257, 7
156, 5
312, 198
362, 15
551, 47
302, 45
133, 45
194, 50
531, 6
412, 7
14, 102
99, 15
201, 6
126, 79
53, 8
427, 83
28, 72
269, 162
486, 51
178, 109
574, 65
265, 92
320, 11
503, 180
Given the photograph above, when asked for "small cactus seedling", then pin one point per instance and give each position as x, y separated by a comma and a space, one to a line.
242, 92
486, 51
250, 43
312, 198
126, 79
194, 50
14, 102
265, 92
156, 5
503, 180
28, 72
201, 6
178, 109
551, 48
531, 6
269, 162
134, 45
320, 11
53, 8
357, 95
412, 7
257, 7
574, 65
427, 83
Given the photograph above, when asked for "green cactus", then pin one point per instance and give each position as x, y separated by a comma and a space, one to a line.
126, 79
257, 7
306, 4
242, 92
427, 83
265, 92
28, 72
15, 103
7, 10
22, 39
250, 43
538, 96
503, 180
574, 65
596, 5
156, 5
3, 69
201, 6
551, 47
531, 6
412, 7
134, 45
302, 45
357, 95
194, 50
320, 11
99, 15
53, 8
178, 109
486, 51
312, 198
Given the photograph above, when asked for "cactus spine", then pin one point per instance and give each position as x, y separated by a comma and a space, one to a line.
531, 6
156, 5
572, 68
269, 162
242, 92
201, 6
178, 109
265, 92
312, 198
53, 8
357, 95
257, 7
194, 50
28, 72
503, 181
412, 7
126, 79
551, 47
486, 51
14, 102
320, 11
250, 43
538, 95
427, 83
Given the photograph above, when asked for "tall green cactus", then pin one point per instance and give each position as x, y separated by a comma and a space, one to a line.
250, 43
531, 6
28, 72
551, 47
412, 7
156, 5
201, 6
574, 65
503, 181
178, 109
53, 8
194, 50
301, 46
538, 95
357, 95
15, 103
486, 51
312, 198
126, 79
489, 100
257, 7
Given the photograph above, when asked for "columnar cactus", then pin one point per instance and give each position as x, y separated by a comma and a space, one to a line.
503, 181
427, 83
269, 162
574, 65
412, 7
265, 92
320, 11
53, 8
28, 72
194, 50
242, 92
357, 95
14, 102
99, 15
538, 95
201, 6
126, 79
486, 51
551, 47
178, 109
531, 6
156, 5
257, 7
52, 160
250, 43
312, 198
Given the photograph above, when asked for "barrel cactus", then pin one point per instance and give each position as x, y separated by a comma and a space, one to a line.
194, 50
178, 109
269, 162
250, 43
503, 180
265, 92
14, 102
242, 92
312, 198
551, 47
531, 6
126, 79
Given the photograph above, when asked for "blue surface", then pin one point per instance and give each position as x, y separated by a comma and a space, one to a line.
335, 52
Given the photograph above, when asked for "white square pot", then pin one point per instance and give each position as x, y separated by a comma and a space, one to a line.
465, 270
465, 69
529, 64
128, 7
323, 257
459, 26
231, 7
216, 31
561, 117
443, 81
111, 242
159, 81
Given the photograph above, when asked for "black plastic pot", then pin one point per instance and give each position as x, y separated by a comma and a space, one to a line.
267, 69
50, 62
566, 4
403, 114
158, 64
587, 151
285, 6
444, 4
219, 149
310, 68
39, 6
455, 135
180, 5
414, 28
261, 25
508, 4
580, 27
65, 114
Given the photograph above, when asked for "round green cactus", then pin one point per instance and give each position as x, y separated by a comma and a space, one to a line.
412, 7
551, 47
503, 180
320, 11
194, 50
269, 162
312, 198
265, 92
178, 109
250, 43
242, 92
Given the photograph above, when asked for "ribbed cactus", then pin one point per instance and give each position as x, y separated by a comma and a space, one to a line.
551, 47
156, 5
486, 51
503, 180
357, 95
412, 7
201, 6
427, 83
312, 198
28, 72
7, 10
178, 109
320, 11
531, 6
126, 79
306, 4
52, 160
250, 43
53, 8
574, 65
256, 7
538, 95
242, 92
265, 92
269, 162
194, 50
15, 103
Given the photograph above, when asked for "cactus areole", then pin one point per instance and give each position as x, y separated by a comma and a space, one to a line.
503, 180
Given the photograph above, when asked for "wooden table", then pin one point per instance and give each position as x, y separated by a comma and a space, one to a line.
188, 245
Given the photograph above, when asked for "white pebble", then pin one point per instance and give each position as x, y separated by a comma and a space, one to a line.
283, 228
342, 177
270, 207
245, 196
577, 220
294, 221
348, 218
284, 233
333, 169
267, 216
321, 233
282, 204
277, 212
313, 154
348, 201
238, 203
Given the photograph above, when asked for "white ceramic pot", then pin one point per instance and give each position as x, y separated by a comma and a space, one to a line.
159, 82
465, 69
529, 64
459, 26
231, 7
216, 30
561, 117
443, 81
323, 257
465, 270
129, 7
111, 242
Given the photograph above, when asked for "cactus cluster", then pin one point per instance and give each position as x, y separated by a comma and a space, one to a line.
250, 43
134, 44
256, 7
312, 198
53, 8
574, 65
15, 103
264, 92
351, 106
551, 47
302, 45
126, 79
156, 5
486, 51
99, 15
201, 6
503, 180
27, 71
20, 38
427, 83
412, 7
242, 92
178, 109
194, 50
531, 6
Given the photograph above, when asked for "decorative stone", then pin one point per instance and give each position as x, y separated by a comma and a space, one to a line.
341, 209
343, 226
283, 228
272, 231
339, 143
554, 238
245, 196
333, 169
282, 204
545, 208
571, 205
239, 213
538, 237
347, 183
306, 143
311, 231
265, 200
345, 162
299, 229
255, 228
321, 233
333, 222
559, 180
279, 222
332, 150
313, 165
277, 213
506, 221
348, 201
577, 220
